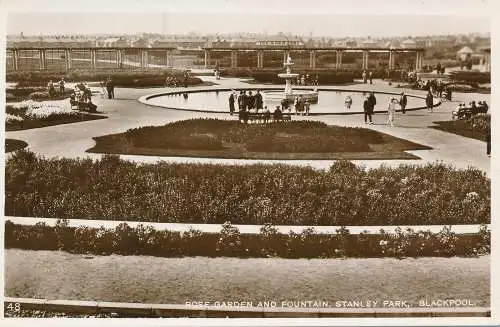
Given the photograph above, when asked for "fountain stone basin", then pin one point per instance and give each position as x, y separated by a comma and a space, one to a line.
275, 97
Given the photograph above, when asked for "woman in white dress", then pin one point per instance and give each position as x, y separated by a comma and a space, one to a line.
391, 110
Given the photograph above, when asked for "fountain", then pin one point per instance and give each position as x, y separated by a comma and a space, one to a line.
290, 94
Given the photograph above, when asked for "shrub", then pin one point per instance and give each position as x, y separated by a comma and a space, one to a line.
229, 242
254, 194
470, 77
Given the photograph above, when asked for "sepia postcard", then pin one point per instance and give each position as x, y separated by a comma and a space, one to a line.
233, 162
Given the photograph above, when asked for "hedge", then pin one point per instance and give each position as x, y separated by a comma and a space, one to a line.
471, 77
229, 242
343, 195
120, 79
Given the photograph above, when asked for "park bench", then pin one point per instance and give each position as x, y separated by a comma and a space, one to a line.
84, 106
263, 117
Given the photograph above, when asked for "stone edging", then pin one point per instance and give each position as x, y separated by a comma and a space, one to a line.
144, 99
196, 311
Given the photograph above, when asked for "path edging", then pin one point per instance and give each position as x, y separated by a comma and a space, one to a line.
179, 310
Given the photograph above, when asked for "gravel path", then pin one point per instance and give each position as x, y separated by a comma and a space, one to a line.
60, 275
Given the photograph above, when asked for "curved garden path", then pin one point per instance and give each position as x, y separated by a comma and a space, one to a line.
124, 112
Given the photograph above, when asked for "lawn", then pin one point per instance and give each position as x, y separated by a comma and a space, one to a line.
13, 145
305, 140
59, 275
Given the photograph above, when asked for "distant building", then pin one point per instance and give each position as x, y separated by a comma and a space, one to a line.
279, 41
409, 44
465, 54
369, 43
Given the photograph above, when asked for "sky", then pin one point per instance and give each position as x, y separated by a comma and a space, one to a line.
340, 18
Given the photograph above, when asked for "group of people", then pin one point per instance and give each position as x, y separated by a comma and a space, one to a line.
81, 97
245, 101
464, 111
51, 88
306, 79
367, 76
302, 105
371, 101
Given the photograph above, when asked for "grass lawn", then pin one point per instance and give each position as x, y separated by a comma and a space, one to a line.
13, 145
299, 140
31, 123
59, 275
459, 127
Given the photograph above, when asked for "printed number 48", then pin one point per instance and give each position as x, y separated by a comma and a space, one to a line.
14, 307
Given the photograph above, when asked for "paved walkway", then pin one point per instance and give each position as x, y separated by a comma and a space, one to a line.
125, 112
245, 229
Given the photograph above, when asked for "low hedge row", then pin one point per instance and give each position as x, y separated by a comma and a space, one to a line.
271, 76
343, 195
120, 79
471, 77
230, 242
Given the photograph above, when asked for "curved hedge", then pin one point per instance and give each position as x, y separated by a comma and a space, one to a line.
344, 195
229, 242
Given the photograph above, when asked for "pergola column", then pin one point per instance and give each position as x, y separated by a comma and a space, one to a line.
42, 58
15, 58
118, 58
487, 61
93, 59
391, 57
144, 61
67, 56
207, 58
365, 59
234, 59
338, 57
169, 58
417, 61
260, 58
312, 59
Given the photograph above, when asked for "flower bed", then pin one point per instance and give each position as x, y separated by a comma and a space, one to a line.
31, 114
476, 127
36, 94
231, 139
344, 195
141, 240
13, 145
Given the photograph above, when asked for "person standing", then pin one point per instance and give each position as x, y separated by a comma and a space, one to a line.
348, 102
402, 102
488, 142
373, 101
367, 110
61, 86
429, 101
391, 110
258, 100
371, 77
307, 106
251, 100
364, 76
231, 103
240, 101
